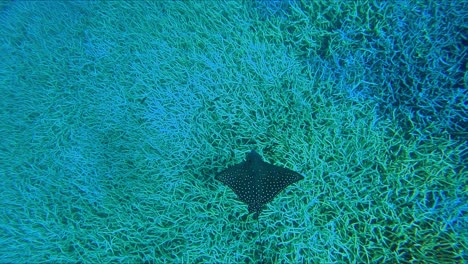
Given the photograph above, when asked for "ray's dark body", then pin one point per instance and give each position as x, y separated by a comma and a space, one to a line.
256, 182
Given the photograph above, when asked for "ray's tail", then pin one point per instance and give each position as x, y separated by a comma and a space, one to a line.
260, 241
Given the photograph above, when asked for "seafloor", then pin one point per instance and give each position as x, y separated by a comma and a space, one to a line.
116, 116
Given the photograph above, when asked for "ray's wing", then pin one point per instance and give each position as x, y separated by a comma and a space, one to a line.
274, 180
241, 180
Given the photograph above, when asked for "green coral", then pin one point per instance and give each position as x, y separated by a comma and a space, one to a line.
115, 117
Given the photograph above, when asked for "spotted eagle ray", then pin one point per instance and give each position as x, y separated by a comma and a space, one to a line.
256, 182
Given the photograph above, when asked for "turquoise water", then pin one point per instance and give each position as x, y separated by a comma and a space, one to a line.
115, 118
